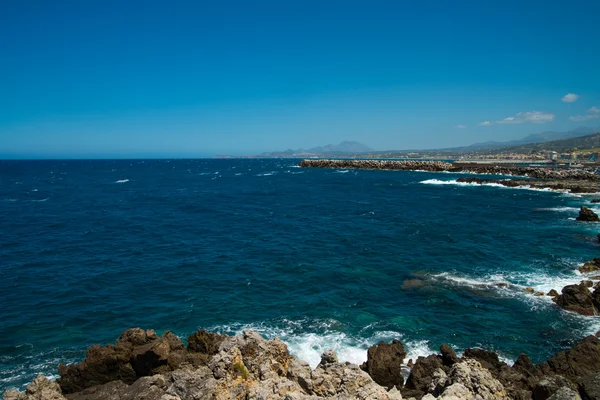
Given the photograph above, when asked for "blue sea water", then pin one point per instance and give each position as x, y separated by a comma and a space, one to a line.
321, 258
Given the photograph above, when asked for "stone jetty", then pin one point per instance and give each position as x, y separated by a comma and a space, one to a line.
143, 365
408, 165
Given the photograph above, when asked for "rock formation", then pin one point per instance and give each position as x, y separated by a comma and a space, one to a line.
587, 215
577, 298
142, 365
590, 266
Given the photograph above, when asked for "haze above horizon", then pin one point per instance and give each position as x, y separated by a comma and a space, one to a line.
122, 79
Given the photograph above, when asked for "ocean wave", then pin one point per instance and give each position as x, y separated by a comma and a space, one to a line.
122, 181
497, 185
341, 171
322, 335
270, 173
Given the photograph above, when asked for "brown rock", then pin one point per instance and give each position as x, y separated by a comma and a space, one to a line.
384, 363
587, 283
205, 342
538, 294
581, 360
587, 215
552, 293
449, 357
530, 290
421, 376
590, 266
577, 298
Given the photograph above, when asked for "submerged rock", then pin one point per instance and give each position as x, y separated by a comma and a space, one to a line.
587, 215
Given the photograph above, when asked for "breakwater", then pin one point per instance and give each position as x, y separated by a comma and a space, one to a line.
408, 165
442, 166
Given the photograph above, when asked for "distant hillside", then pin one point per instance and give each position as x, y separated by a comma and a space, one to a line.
344, 148
534, 138
565, 145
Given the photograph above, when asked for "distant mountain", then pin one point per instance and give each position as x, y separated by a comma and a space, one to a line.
534, 138
346, 147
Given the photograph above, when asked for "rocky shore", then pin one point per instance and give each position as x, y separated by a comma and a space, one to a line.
431, 166
571, 186
143, 365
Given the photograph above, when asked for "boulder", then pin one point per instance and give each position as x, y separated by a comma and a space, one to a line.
552, 293
136, 353
449, 357
587, 215
530, 290
41, 388
384, 363
487, 359
590, 266
469, 380
595, 201
580, 361
421, 376
577, 298
590, 387
549, 385
565, 393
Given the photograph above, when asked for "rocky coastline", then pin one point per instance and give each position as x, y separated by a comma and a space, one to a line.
143, 365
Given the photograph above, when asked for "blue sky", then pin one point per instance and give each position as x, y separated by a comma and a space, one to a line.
114, 78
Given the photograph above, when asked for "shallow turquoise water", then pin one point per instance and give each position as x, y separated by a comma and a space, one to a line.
315, 256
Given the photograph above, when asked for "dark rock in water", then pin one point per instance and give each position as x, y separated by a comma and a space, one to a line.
590, 387
596, 298
550, 385
137, 353
577, 298
552, 293
538, 294
384, 363
581, 360
412, 284
487, 359
595, 201
590, 266
501, 284
449, 357
530, 290
421, 376
587, 283
587, 215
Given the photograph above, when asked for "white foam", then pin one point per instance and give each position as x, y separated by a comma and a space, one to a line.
309, 346
497, 185
122, 181
267, 173
341, 171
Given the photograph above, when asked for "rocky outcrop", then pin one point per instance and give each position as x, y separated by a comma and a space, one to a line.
587, 215
39, 389
590, 266
384, 363
577, 298
249, 367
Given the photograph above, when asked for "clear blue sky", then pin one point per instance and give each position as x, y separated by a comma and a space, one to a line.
137, 78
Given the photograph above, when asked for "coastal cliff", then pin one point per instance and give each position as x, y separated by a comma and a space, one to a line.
142, 365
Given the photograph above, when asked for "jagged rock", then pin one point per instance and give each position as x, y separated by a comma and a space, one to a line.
421, 376
205, 342
384, 362
136, 353
552, 293
565, 394
538, 294
39, 389
468, 380
577, 298
549, 385
585, 214
587, 283
590, 387
328, 357
590, 266
449, 357
530, 290
487, 359
581, 360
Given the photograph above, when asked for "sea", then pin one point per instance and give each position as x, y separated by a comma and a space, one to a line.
321, 258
